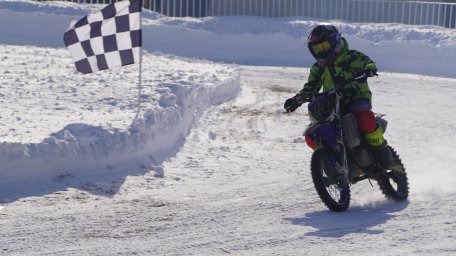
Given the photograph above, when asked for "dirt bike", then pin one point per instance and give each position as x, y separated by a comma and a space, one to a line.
345, 147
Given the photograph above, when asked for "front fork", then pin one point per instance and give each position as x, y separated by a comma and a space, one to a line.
341, 152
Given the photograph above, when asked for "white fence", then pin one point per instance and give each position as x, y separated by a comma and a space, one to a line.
381, 11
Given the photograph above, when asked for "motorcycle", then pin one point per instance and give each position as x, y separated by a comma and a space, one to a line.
342, 147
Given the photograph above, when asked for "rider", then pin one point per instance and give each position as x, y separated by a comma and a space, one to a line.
337, 65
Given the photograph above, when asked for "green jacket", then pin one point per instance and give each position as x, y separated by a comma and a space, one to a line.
344, 68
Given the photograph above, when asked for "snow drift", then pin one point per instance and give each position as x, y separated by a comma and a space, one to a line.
68, 124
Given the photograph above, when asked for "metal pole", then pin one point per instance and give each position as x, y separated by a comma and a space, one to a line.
272, 8
351, 10
359, 12
388, 17
330, 8
243, 9
279, 9
438, 15
444, 14
168, 8
213, 7
303, 9
219, 8
140, 72
342, 10
410, 14
403, 13
420, 16
247, 10
294, 11
371, 12
395, 19
308, 5
288, 8
315, 8
323, 9
193, 8
421, 13
261, 9
451, 16
354, 8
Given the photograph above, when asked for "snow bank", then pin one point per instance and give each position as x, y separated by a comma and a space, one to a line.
83, 149
58, 123
428, 50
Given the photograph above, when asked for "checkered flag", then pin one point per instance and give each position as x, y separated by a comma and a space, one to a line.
106, 39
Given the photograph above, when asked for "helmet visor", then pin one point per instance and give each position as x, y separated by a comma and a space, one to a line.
322, 48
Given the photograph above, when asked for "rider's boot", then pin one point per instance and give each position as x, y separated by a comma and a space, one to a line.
381, 150
383, 155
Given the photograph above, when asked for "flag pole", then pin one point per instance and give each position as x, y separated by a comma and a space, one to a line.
140, 65
139, 85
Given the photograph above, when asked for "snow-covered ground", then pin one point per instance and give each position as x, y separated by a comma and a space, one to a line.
211, 165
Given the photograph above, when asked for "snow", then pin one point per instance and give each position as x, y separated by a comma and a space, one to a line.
210, 164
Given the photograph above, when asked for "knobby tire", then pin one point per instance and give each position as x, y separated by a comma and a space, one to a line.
320, 158
394, 185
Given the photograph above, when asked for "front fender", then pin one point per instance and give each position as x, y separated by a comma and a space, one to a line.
322, 133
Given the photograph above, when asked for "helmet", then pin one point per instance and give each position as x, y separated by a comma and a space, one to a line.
323, 40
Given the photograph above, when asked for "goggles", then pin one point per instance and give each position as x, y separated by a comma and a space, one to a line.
321, 48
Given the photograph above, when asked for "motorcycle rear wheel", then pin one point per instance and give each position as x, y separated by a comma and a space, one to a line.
335, 198
394, 184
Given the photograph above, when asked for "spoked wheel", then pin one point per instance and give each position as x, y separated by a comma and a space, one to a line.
335, 198
394, 183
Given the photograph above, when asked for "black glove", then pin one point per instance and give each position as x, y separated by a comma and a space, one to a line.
292, 104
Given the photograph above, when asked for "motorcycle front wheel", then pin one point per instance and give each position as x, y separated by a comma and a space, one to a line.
322, 169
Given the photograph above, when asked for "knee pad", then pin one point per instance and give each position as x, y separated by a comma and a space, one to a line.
366, 121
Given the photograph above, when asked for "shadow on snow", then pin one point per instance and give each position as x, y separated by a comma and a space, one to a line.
357, 219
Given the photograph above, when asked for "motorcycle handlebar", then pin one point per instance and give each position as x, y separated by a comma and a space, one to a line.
359, 78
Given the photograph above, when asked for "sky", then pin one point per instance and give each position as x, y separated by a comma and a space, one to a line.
210, 136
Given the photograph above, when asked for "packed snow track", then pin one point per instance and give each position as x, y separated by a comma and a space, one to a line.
241, 185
